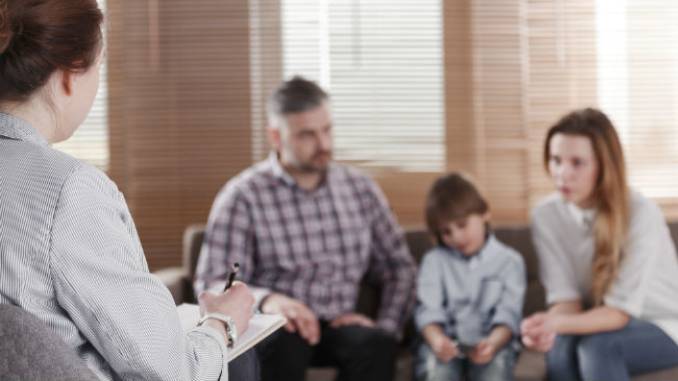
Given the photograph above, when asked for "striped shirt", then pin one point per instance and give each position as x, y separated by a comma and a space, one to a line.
70, 255
314, 246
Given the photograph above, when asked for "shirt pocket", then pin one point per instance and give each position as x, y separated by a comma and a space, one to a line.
490, 293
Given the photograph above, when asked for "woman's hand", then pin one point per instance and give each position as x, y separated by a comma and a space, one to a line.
538, 332
237, 303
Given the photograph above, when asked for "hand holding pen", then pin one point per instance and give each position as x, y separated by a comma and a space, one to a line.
238, 303
231, 276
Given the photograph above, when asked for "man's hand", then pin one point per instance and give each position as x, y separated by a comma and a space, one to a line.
483, 352
538, 332
237, 303
352, 319
299, 317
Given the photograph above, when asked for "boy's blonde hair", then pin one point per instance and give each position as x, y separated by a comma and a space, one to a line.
450, 198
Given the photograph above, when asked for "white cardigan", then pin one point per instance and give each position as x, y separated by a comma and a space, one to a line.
647, 283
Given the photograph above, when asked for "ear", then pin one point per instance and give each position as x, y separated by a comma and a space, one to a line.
274, 137
487, 216
67, 81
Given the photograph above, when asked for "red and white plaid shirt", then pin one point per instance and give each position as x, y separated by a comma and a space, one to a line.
314, 246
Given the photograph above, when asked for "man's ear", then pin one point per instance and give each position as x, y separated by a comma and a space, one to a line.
274, 137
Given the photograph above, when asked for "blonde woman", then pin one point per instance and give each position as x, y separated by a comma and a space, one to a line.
607, 262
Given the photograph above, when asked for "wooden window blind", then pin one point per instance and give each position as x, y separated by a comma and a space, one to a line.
532, 61
382, 64
179, 111
639, 86
419, 88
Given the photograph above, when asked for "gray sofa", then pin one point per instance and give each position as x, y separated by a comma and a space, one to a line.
530, 366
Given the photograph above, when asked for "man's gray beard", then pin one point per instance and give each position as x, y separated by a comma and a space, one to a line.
311, 169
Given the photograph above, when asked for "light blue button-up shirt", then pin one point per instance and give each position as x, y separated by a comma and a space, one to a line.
468, 296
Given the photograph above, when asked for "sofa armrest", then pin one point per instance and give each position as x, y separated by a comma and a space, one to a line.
177, 281
31, 350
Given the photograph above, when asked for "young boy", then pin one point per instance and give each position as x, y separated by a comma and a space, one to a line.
470, 291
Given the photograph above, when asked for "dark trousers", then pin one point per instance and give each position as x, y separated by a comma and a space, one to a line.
359, 353
245, 367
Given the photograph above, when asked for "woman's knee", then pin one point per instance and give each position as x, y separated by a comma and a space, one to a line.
561, 360
563, 350
596, 346
600, 357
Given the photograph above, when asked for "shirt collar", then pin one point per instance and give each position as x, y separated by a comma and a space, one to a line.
582, 217
280, 173
278, 170
490, 245
19, 129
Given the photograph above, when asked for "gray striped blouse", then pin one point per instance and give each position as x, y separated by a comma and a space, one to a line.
70, 254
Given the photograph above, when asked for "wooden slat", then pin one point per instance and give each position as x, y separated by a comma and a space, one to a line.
188, 81
180, 111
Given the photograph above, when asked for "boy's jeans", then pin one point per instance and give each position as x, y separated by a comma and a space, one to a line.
429, 368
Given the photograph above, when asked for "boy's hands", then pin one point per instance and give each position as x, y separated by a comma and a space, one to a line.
444, 348
488, 347
483, 352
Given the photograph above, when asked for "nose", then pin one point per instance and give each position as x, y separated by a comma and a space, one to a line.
567, 172
563, 171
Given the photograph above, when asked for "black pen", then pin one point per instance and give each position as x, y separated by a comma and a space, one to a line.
231, 276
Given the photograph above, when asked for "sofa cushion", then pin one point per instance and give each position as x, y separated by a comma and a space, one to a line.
531, 365
29, 350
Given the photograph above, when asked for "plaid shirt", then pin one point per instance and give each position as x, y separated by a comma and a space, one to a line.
314, 246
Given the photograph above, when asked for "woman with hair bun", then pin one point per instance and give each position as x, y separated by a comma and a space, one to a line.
69, 251
607, 262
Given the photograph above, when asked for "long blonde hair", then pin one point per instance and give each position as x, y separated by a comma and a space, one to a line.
610, 195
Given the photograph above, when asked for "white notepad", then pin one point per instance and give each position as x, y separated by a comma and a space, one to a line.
261, 325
